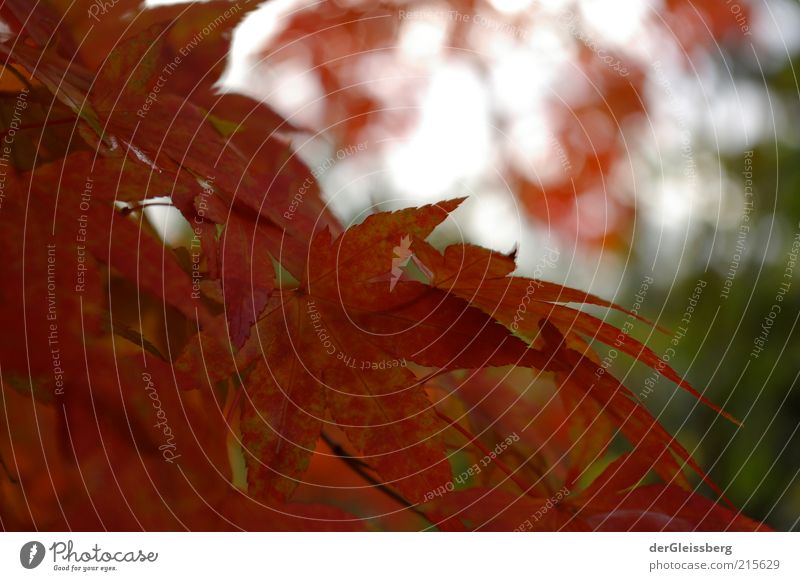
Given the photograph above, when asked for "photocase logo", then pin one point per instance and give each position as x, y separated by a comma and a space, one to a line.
31, 554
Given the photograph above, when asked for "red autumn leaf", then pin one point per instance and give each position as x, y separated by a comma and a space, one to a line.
247, 275
482, 277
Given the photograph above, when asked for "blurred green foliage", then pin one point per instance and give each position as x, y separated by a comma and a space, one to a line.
757, 464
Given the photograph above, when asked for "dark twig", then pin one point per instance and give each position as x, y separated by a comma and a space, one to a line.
362, 469
11, 477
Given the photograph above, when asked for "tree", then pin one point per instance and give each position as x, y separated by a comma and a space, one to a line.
279, 371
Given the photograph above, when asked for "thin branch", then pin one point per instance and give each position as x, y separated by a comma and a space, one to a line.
11, 477
362, 469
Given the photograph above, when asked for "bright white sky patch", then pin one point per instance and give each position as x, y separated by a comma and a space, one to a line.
422, 38
615, 21
494, 221
510, 6
452, 140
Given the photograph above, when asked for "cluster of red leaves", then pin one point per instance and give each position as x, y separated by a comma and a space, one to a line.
141, 383
589, 111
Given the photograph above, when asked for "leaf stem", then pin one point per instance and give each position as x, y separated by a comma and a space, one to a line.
474, 440
360, 468
11, 477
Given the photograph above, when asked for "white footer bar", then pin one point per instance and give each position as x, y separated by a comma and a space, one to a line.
389, 556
